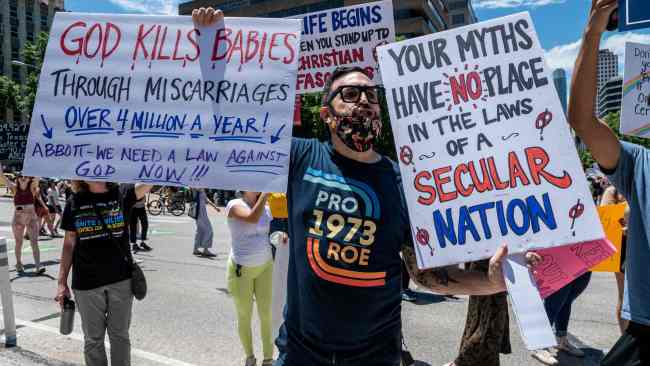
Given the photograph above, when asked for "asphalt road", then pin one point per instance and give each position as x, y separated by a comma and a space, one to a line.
189, 319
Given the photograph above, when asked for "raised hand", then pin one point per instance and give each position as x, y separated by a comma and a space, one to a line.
205, 17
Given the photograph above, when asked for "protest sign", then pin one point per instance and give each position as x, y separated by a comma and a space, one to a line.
633, 14
611, 217
153, 99
635, 106
561, 265
13, 138
485, 151
527, 305
342, 36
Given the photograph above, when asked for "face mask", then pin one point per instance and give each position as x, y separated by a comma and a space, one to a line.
359, 130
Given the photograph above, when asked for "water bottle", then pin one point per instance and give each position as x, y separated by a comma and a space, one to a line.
67, 317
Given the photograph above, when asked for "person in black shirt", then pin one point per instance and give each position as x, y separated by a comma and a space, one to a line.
97, 250
348, 223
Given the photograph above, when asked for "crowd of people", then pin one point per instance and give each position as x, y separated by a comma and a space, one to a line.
101, 221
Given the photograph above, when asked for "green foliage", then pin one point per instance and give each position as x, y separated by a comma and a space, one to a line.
9, 92
33, 54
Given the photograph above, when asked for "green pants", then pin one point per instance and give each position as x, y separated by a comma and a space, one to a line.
258, 282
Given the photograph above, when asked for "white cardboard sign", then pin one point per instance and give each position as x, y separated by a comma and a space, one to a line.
635, 106
342, 36
485, 151
153, 99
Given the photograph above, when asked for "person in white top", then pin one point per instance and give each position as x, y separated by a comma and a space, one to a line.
250, 270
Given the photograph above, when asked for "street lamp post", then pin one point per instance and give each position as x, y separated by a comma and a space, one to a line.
20, 63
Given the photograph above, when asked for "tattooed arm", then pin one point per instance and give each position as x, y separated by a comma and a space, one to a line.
455, 281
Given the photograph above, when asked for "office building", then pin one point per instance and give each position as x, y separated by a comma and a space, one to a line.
460, 13
609, 97
607, 69
559, 80
412, 17
20, 22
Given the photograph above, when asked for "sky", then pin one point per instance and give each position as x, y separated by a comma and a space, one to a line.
559, 23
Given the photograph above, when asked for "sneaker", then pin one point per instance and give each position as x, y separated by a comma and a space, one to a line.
208, 254
564, 345
250, 361
197, 252
408, 295
19, 268
545, 356
135, 248
145, 247
267, 363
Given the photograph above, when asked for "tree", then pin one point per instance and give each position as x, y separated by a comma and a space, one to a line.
9, 91
33, 54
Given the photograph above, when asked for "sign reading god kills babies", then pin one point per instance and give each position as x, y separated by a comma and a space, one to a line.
485, 151
342, 36
153, 99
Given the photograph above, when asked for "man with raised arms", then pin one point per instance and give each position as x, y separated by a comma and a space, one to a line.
628, 168
348, 223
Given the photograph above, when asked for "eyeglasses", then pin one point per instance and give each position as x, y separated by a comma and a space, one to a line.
352, 93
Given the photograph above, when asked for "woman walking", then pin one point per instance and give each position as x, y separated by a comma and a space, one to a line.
25, 220
558, 310
250, 270
139, 214
96, 248
53, 206
204, 233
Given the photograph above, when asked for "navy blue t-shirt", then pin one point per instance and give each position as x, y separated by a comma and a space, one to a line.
348, 222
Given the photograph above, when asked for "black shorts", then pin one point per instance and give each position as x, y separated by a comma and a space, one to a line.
631, 349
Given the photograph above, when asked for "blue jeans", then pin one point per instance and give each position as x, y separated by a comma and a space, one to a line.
558, 305
295, 351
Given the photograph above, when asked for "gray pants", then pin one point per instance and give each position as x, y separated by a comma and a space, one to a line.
101, 309
204, 234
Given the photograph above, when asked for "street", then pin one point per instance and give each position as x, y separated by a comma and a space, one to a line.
189, 319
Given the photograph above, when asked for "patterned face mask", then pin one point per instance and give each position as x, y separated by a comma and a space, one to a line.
359, 130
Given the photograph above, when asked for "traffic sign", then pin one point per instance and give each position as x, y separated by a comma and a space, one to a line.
633, 14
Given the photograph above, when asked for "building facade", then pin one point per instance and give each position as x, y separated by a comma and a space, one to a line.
412, 17
460, 13
559, 80
609, 96
607, 69
20, 22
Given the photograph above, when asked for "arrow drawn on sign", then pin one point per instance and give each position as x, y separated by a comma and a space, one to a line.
276, 137
48, 131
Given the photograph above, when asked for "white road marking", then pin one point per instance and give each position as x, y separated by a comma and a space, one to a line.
170, 220
134, 351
